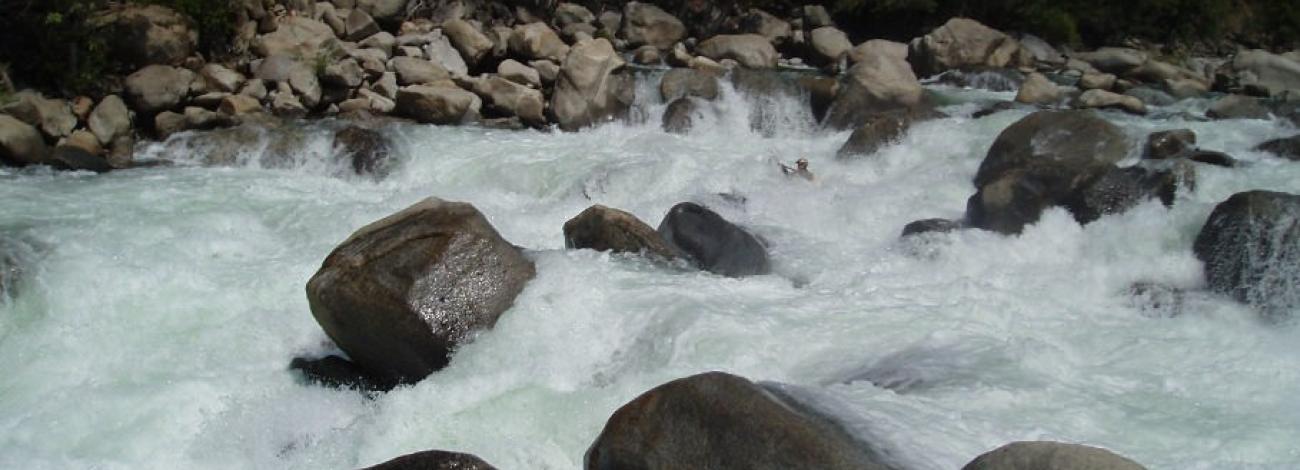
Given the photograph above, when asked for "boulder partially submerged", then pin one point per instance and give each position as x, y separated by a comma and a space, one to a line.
401, 293
713, 243
1251, 249
1045, 455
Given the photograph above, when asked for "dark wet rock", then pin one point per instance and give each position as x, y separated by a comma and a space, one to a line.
680, 82
17, 258
1120, 190
1288, 148
1044, 455
434, 460
67, 157
881, 81
712, 243
931, 226
1039, 162
679, 116
337, 372
721, 421
606, 229
1038, 89
879, 131
1168, 144
1210, 157
1251, 249
400, 294
993, 109
1156, 300
367, 151
1238, 107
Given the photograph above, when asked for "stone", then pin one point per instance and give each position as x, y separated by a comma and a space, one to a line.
962, 43
121, 152
440, 52
1122, 189
1102, 99
679, 116
384, 11
1040, 161
285, 104
53, 117
880, 81
345, 73
442, 104
1155, 71
337, 372
239, 105
376, 102
1210, 157
20, 143
255, 88
383, 41
297, 74
84, 140
816, 16
514, 71
602, 228
147, 34
721, 421
1113, 60
572, 13
1041, 51
1097, 81
1183, 88
611, 22
508, 98
71, 158
1269, 73
680, 82
359, 25
537, 41
547, 70
647, 55
931, 226
299, 37
386, 86
81, 106
872, 48
880, 130
712, 243
156, 88
578, 31
1168, 144
1044, 455
1288, 148
1038, 89
366, 151
776, 30
400, 294
1238, 107
829, 44
589, 89
413, 52
987, 79
434, 460
750, 50
413, 71
646, 24
221, 78
1250, 246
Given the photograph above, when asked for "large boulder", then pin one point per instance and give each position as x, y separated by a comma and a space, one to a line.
400, 294
359, 25
1265, 73
762, 23
299, 76
681, 82
220, 78
965, 43
1288, 148
434, 460
147, 34
1102, 99
679, 115
720, 421
588, 89
1038, 162
880, 81
880, 130
1038, 89
438, 104
1251, 246
537, 41
1238, 107
508, 98
517, 72
1044, 455
713, 243
829, 44
1114, 60
646, 24
53, 117
385, 11
606, 229
20, 143
158, 88
472, 43
440, 51
750, 50
416, 71
299, 37
1121, 189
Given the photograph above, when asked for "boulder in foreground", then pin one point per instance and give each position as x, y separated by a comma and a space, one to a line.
1044, 455
721, 421
434, 460
401, 293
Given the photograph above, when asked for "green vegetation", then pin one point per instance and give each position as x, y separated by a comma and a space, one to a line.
51, 44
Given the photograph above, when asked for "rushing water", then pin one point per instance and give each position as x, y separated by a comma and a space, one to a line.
154, 327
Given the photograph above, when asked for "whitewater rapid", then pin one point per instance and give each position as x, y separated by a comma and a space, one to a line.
164, 304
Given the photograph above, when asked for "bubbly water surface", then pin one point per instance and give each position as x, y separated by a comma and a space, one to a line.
163, 305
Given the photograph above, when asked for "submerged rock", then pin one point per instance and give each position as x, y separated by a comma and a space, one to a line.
931, 226
1288, 148
337, 372
401, 293
1168, 144
679, 116
1251, 249
1120, 190
606, 229
720, 421
879, 131
1044, 455
681, 82
367, 151
713, 243
1238, 107
434, 460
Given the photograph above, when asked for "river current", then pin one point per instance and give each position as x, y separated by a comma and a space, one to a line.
162, 305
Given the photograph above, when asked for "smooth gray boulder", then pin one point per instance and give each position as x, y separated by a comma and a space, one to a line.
434, 460
1287, 147
158, 87
603, 228
1044, 455
1251, 249
400, 294
749, 50
20, 143
963, 43
442, 104
712, 243
646, 24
